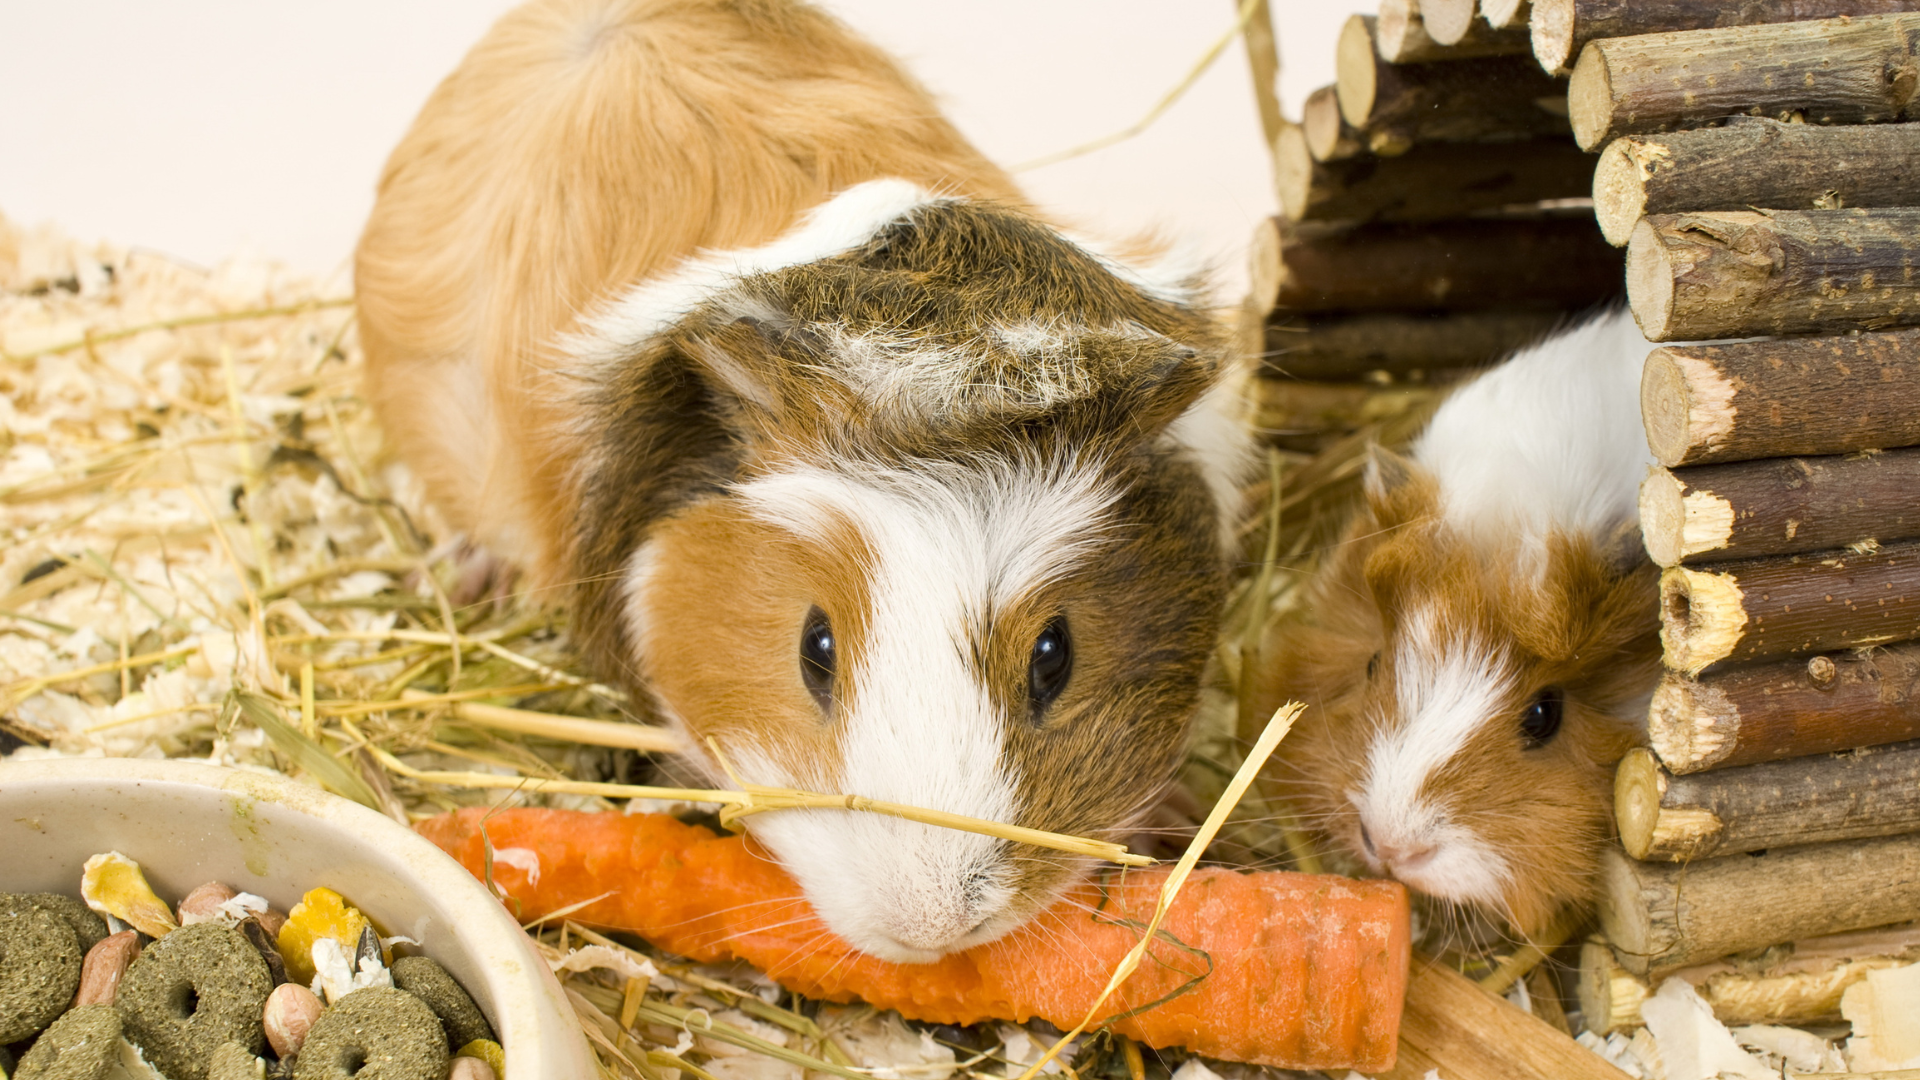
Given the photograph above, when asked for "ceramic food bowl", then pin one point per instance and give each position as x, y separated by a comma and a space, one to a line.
187, 824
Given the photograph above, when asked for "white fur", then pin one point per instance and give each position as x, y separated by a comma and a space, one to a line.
1550, 439
835, 227
1445, 689
1215, 431
951, 547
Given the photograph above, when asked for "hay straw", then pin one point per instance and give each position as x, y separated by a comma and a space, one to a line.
92, 340
1245, 15
642, 737
1276, 729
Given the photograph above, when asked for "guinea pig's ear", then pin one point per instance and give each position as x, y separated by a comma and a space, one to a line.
753, 362
1388, 479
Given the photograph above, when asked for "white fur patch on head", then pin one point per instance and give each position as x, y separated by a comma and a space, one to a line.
1446, 687
1550, 439
835, 227
951, 545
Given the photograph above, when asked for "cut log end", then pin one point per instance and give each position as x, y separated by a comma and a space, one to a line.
1691, 727
1328, 137
1551, 26
1505, 14
1264, 269
1702, 618
1353, 64
1663, 515
1650, 280
1666, 408
1400, 34
1624, 919
1590, 97
1619, 191
1447, 20
1636, 800
1610, 997
1292, 174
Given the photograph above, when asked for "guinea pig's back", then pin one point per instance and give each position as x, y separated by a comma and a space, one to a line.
581, 147
1549, 439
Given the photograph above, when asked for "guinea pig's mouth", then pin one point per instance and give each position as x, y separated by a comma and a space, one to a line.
904, 891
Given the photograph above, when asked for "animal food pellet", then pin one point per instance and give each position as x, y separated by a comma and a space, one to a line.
380, 1033
191, 991
87, 927
232, 1062
428, 981
39, 967
82, 1045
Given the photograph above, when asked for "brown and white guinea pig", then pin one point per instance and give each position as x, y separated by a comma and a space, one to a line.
700, 315
1480, 648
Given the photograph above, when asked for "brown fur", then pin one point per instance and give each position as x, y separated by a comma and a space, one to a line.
1587, 626
581, 146
588, 145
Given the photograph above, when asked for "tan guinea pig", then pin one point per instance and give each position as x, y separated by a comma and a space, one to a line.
1481, 647
698, 313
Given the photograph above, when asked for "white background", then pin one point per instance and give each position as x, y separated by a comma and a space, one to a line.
203, 128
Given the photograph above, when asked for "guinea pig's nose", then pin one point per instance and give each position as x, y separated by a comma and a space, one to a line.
1404, 858
1366, 840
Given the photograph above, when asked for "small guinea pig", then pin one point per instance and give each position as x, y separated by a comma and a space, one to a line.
1480, 649
698, 314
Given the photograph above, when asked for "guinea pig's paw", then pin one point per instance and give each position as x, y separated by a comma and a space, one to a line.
479, 576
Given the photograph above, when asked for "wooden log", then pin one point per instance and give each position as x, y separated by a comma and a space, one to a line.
1451, 1025
1430, 182
1448, 21
1351, 346
1555, 262
1398, 105
1704, 404
1759, 609
1779, 506
1329, 136
1263, 265
1508, 14
1754, 162
1561, 28
1798, 983
1401, 36
1832, 71
1741, 273
1872, 791
1665, 916
1610, 996
1788, 709
1289, 407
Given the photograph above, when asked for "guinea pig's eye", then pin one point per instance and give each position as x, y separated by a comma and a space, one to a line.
1540, 722
816, 657
1373, 664
1051, 664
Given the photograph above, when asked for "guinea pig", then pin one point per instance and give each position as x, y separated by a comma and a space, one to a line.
698, 314
1480, 648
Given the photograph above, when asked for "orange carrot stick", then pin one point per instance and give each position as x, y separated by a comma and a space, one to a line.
1291, 970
